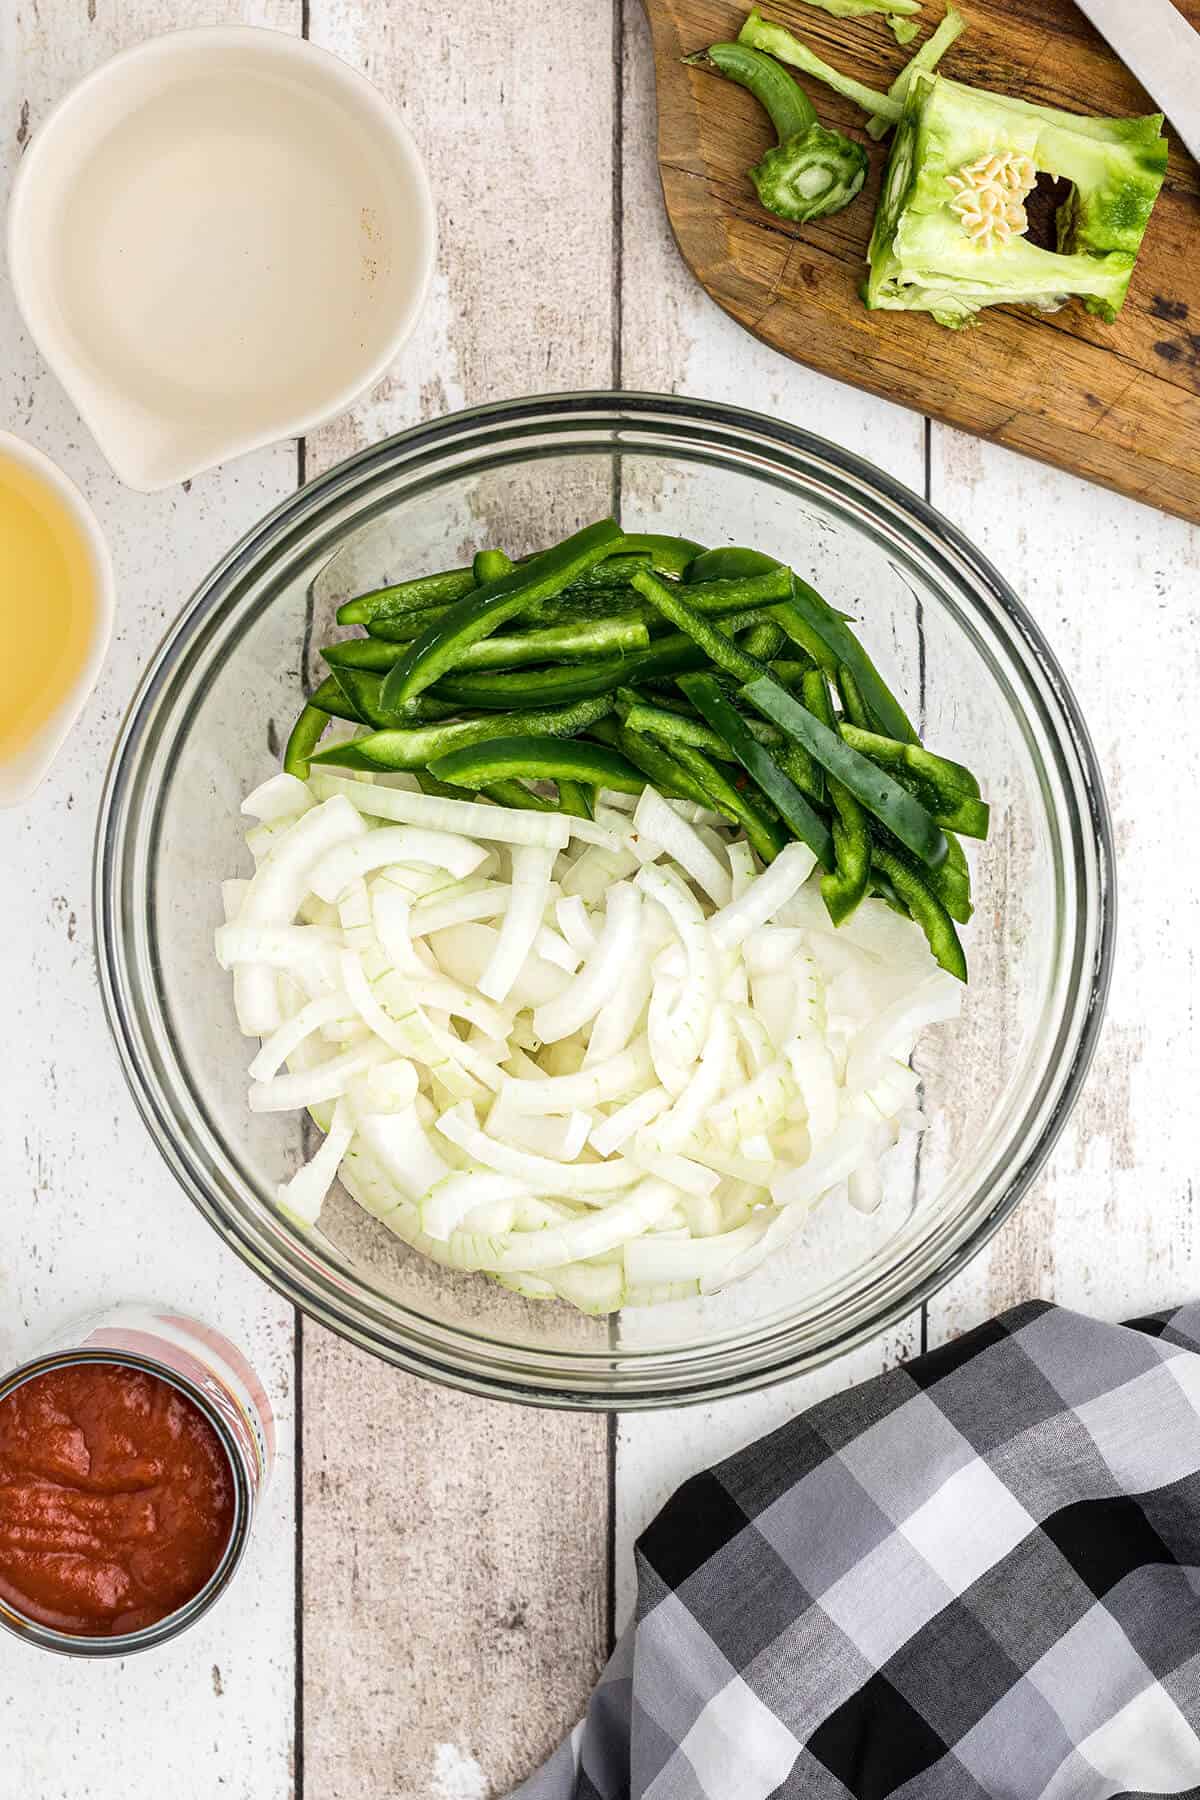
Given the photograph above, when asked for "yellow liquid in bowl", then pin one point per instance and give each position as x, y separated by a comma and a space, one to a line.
48, 600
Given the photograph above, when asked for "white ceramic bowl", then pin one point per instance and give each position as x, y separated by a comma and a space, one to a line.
19, 775
220, 238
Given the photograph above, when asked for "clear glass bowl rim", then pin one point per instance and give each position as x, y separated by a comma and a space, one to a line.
620, 1379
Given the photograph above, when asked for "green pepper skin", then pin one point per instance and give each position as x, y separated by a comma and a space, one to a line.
490, 565
407, 596
706, 695
948, 790
729, 562
481, 612
883, 797
576, 798
666, 555
845, 889
415, 747
537, 759
332, 699
925, 907
303, 739
505, 793
657, 764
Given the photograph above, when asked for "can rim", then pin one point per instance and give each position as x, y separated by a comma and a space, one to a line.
148, 1637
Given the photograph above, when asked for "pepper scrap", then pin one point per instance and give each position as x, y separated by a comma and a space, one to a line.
810, 172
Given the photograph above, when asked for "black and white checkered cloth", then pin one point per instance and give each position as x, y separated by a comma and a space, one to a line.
976, 1576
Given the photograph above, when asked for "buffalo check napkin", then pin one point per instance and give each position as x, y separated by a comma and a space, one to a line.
978, 1575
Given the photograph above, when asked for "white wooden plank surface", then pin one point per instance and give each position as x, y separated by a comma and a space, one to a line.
1109, 1227
454, 1593
90, 1213
455, 1550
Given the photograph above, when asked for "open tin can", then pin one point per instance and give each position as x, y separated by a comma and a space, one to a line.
211, 1373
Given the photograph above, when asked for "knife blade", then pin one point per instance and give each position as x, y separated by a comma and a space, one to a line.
1155, 40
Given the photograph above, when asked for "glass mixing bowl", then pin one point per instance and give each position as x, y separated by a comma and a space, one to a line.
221, 693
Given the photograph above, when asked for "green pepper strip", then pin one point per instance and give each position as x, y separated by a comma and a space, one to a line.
673, 728
874, 787
303, 739
764, 640
675, 722
402, 628
576, 799
952, 882
717, 646
363, 690
765, 832
536, 759
331, 697
490, 565
669, 555
584, 641
731, 561
497, 691
480, 613
407, 596
925, 908
949, 790
507, 792
831, 629
844, 889
415, 747
705, 693
853, 704
659, 766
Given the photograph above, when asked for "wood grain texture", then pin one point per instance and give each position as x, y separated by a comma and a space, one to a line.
1118, 404
455, 1605
1110, 1227
90, 1215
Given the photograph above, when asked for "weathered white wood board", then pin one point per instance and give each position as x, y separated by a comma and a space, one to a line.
453, 1605
1109, 1227
455, 1594
90, 1214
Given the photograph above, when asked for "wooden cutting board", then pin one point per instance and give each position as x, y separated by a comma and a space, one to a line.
1119, 404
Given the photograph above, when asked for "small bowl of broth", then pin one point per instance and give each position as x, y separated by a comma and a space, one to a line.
56, 611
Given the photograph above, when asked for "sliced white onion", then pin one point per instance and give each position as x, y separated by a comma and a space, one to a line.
465, 818
626, 1073
750, 1058
487, 901
616, 948
393, 844
327, 1081
765, 895
628, 1120
531, 870
541, 1174
655, 820
282, 796
304, 1195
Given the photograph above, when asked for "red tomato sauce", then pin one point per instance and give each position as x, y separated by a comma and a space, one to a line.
116, 1499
